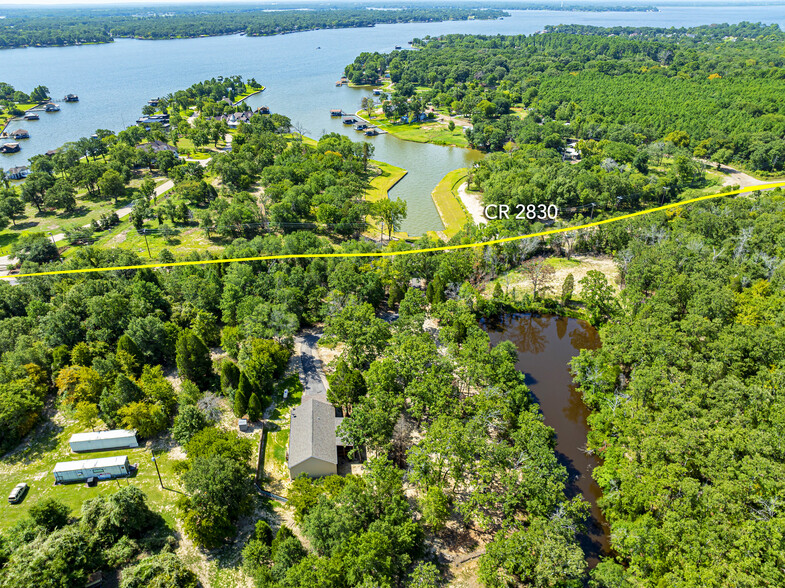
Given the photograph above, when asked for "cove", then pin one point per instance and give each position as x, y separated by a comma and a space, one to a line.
114, 81
545, 345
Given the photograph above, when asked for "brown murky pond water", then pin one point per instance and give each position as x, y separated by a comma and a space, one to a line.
545, 346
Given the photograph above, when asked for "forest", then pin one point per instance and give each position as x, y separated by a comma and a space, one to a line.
685, 393
72, 26
99, 346
713, 89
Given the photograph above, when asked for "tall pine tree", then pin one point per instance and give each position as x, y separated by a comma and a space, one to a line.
243, 396
193, 359
254, 408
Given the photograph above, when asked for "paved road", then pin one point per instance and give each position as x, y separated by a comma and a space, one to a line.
126, 210
123, 212
311, 372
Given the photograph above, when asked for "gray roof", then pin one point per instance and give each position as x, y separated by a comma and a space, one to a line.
100, 435
312, 432
103, 462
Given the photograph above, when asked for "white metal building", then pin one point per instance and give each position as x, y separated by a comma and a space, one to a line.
103, 468
101, 440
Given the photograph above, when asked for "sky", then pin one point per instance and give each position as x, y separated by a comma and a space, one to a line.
269, 3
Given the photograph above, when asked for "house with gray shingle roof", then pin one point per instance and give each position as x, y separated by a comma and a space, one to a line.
313, 442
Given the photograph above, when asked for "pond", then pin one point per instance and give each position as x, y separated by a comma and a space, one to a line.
545, 346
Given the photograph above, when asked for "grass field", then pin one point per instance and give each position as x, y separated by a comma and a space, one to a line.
519, 111
379, 187
58, 222
425, 132
5, 117
445, 197
381, 184
187, 239
248, 92
49, 445
275, 468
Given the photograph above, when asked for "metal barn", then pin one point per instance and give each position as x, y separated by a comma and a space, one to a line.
103, 468
101, 440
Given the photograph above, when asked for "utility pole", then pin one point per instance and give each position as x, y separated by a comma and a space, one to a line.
144, 233
381, 232
159, 473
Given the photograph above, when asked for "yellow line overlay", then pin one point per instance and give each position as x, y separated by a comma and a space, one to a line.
615, 219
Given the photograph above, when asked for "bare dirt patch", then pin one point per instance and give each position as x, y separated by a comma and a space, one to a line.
473, 204
117, 239
577, 265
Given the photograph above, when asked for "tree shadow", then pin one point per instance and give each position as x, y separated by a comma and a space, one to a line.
76, 212
35, 445
23, 226
592, 539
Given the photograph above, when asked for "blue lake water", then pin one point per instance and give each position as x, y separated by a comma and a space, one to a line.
115, 80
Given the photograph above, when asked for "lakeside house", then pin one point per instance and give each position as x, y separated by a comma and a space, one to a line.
263, 110
157, 147
153, 101
314, 445
19, 134
153, 118
51, 153
17, 173
9, 148
234, 119
71, 98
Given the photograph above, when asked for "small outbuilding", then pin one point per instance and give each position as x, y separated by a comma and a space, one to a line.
104, 468
102, 440
242, 424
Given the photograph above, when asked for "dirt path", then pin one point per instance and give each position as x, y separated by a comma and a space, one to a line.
736, 177
459, 122
472, 204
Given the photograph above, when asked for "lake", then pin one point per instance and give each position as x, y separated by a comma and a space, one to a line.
545, 346
299, 70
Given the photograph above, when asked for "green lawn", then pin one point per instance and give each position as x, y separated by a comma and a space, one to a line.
561, 262
384, 181
519, 111
59, 221
188, 238
425, 132
278, 433
445, 197
49, 446
248, 92
380, 185
187, 148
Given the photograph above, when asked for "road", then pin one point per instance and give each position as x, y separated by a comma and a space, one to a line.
311, 372
123, 212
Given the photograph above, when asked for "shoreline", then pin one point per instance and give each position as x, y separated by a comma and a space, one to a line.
452, 212
18, 118
254, 93
388, 129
